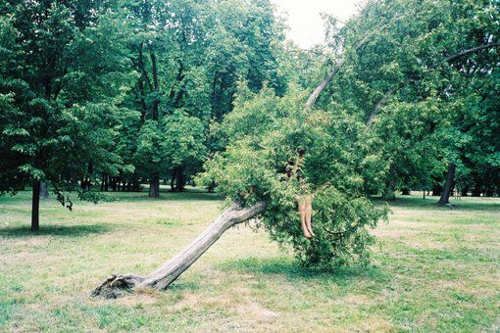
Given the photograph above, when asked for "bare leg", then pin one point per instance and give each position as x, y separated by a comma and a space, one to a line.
308, 217
302, 212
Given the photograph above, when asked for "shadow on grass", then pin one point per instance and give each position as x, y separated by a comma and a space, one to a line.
189, 194
53, 230
430, 203
289, 268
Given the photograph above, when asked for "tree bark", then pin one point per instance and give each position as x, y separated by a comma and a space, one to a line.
180, 179
156, 102
35, 207
154, 185
161, 278
445, 195
314, 96
469, 51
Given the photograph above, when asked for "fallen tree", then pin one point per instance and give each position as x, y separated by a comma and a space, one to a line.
117, 284
172, 269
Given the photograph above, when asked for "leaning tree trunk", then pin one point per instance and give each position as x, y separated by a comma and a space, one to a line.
166, 274
448, 186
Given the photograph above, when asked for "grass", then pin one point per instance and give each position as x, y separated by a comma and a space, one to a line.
433, 269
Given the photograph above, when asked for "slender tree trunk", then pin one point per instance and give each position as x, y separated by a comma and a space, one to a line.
107, 179
172, 269
35, 207
86, 182
448, 187
44, 191
156, 102
113, 183
154, 185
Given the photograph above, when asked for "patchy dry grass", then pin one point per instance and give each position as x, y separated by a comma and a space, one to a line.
434, 269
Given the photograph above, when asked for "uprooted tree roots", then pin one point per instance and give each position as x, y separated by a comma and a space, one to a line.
118, 285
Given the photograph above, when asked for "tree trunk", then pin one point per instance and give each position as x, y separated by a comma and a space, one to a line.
156, 102
35, 207
154, 185
44, 191
328, 77
405, 191
448, 186
180, 182
166, 274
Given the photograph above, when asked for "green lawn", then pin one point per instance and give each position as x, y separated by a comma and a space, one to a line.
433, 269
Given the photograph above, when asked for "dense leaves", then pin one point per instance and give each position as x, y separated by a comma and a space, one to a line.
264, 133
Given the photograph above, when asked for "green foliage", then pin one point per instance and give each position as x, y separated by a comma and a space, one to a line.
184, 139
421, 101
64, 73
264, 133
188, 56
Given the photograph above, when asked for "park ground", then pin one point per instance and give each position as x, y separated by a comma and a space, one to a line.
433, 269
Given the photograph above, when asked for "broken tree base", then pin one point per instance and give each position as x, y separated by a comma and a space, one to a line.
118, 285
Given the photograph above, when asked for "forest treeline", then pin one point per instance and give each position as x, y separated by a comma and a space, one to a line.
117, 95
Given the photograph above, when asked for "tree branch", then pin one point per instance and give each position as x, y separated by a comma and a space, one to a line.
469, 51
314, 96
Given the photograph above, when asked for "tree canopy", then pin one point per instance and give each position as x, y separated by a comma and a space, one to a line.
97, 96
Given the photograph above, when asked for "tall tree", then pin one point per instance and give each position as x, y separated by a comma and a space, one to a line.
64, 75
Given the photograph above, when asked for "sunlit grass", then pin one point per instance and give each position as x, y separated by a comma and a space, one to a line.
433, 269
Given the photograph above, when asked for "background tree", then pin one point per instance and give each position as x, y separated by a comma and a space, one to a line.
410, 81
63, 77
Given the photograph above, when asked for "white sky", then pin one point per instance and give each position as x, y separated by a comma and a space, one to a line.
304, 20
